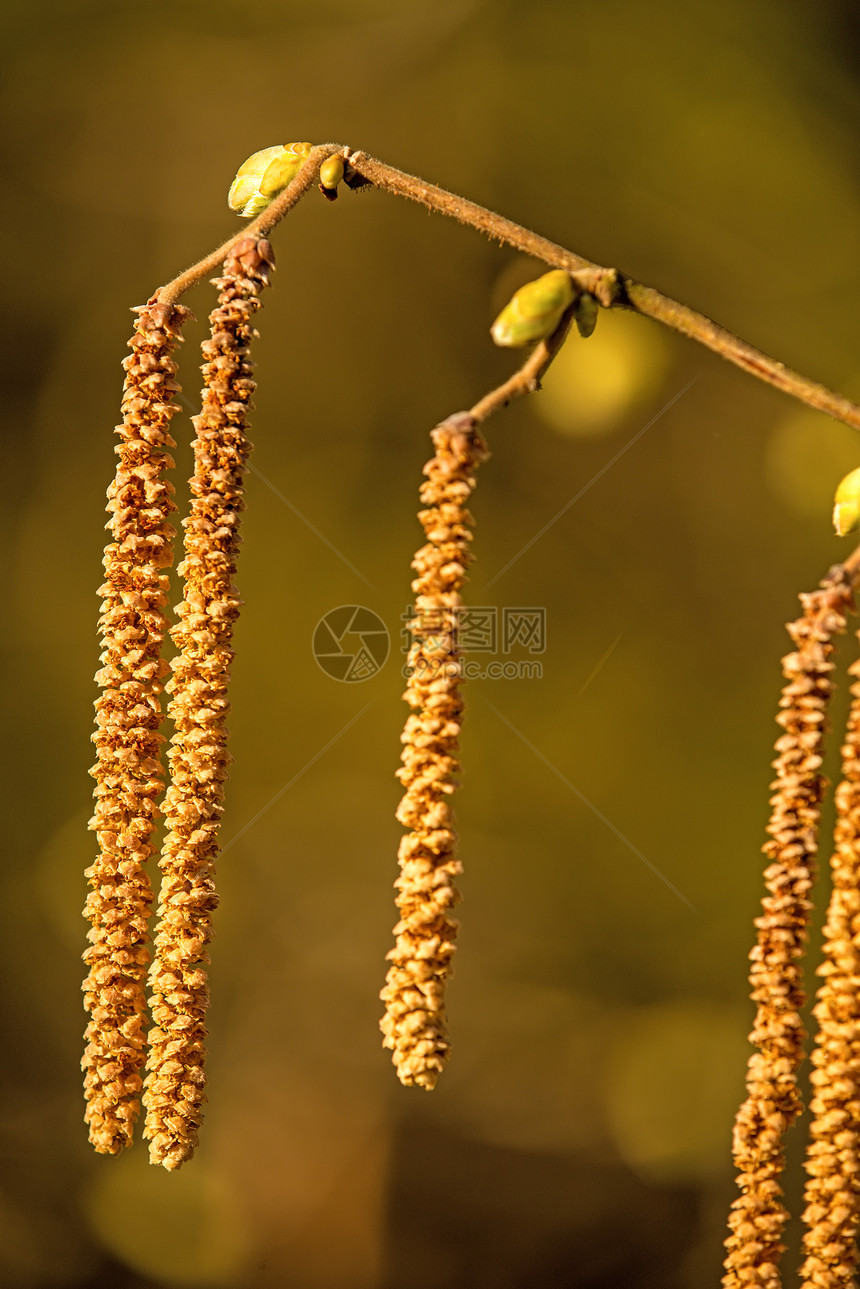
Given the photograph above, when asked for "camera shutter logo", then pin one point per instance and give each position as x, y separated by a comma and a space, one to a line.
351, 643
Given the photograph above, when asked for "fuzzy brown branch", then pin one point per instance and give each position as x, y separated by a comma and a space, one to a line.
601, 282
527, 379
609, 286
259, 227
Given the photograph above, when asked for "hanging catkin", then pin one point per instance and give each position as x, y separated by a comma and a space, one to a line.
833, 1155
128, 772
773, 1102
414, 1024
174, 1092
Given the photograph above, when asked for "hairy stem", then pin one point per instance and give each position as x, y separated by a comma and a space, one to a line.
611, 288
644, 299
526, 379
259, 227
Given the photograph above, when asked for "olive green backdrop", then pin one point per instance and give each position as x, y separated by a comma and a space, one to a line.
612, 807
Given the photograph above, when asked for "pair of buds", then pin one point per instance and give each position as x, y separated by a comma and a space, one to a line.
267, 172
535, 311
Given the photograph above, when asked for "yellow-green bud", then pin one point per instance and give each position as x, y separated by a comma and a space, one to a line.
535, 311
264, 175
846, 504
331, 172
585, 314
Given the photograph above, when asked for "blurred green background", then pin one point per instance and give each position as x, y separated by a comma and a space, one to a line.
580, 1135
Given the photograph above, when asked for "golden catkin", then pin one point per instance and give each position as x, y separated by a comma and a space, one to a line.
128, 772
414, 1025
833, 1155
174, 1090
758, 1216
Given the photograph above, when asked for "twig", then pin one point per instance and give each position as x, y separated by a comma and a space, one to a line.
644, 299
259, 227
610, 287
526, 380
603, 283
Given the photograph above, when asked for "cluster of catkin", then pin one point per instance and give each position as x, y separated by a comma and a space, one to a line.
129, 771
414, 1024
758, 1216
165, 1067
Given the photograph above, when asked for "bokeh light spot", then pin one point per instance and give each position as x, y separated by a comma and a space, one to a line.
179, 1229
593, 384
807, 454
675, 1080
